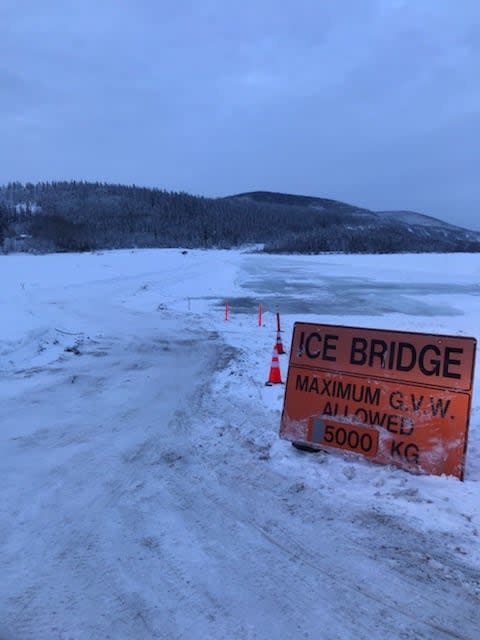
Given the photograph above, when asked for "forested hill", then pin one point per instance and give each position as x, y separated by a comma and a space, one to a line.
81, 216
312, 202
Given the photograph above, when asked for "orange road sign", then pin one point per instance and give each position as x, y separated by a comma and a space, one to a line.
394, 397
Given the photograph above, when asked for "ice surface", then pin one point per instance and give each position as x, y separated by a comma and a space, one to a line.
145, 492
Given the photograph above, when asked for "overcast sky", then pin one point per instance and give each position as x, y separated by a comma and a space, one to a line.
374, 102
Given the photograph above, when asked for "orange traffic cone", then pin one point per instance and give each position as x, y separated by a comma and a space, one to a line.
279, 345
275, 376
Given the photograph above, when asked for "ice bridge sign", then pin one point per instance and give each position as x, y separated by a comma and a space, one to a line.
395, 397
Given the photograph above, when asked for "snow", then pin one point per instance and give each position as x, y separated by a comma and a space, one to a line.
412, 217
27, 207
145, 491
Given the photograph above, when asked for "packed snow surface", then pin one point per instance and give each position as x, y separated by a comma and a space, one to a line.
144, 490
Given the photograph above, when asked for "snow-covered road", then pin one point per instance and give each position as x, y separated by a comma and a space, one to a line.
145, 492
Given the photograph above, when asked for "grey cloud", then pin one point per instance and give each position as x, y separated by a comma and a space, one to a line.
376, 102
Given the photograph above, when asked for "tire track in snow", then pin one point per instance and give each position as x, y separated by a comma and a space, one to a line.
80, 588
291, 545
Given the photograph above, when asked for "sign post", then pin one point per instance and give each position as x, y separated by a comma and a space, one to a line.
394, 397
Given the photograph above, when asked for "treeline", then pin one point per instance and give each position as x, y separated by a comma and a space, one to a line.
81, 216
374, 238
77, 216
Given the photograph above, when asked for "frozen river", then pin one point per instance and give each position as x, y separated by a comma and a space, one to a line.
145, 491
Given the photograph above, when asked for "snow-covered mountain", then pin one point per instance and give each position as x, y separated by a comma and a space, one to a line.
413, 217
338, 226
77, 216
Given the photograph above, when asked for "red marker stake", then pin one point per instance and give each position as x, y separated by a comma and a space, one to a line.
260, 312
226, 311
